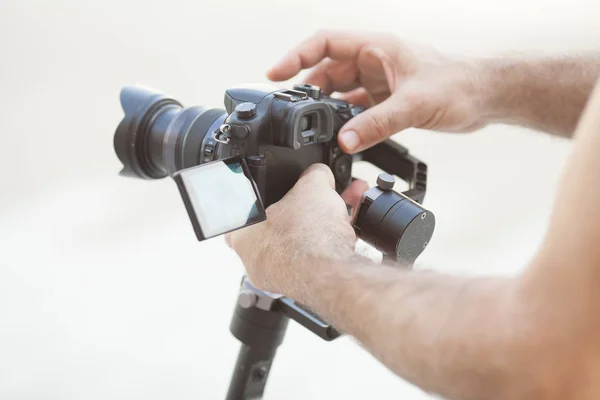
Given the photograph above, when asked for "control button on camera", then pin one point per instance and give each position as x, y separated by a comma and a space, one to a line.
343, 168
385, 181
245, 110
209, 150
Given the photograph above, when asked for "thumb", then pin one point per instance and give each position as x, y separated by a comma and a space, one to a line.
375, 125
317, 174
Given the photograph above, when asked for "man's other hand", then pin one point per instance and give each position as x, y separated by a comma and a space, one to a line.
406, 85
311, 222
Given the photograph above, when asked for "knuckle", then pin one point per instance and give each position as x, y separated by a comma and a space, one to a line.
321, 173
320, 167
339, 203
415, 106
316, 172
413, 98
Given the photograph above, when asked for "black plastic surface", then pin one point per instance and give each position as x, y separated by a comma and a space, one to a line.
286, 128
245, 110
140, 106
192, 141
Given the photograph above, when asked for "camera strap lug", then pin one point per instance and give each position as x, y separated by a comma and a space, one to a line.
222, 135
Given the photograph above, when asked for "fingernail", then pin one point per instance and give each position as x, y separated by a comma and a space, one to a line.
350, 140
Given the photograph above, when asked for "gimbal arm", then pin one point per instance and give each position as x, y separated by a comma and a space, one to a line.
395, 159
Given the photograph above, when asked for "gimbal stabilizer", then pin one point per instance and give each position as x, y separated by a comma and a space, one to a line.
260, 319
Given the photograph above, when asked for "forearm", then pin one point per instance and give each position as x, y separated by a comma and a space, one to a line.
546, 94
455, 336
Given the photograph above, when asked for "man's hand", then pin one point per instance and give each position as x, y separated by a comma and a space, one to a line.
278, 253
532, 336
413, 86
408, 85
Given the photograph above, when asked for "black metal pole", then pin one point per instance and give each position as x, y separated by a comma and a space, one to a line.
260, 332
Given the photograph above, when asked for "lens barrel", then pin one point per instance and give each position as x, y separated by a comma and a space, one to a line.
157, 135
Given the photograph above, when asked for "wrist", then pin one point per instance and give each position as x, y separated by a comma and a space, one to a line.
320, 276
499, 81
515, 90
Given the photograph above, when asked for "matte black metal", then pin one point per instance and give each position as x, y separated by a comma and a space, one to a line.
261, 332
406, 231
391, 222
385, 181
307, 318
395, 159
397, 226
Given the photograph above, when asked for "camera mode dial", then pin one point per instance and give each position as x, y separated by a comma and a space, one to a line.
245, 110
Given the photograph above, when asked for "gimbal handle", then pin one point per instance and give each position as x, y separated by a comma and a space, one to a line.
259, 322
260, 318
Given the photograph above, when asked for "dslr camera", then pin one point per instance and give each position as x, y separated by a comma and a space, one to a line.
230, 164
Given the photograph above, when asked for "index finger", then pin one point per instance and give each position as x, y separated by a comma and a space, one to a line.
337, 45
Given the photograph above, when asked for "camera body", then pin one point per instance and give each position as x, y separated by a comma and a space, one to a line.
231, 164
281, 133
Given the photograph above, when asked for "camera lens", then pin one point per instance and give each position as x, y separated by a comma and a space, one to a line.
158, 136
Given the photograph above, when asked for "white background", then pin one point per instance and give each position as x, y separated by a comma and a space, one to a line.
104, 291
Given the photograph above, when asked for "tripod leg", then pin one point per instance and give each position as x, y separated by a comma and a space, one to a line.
260, 332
